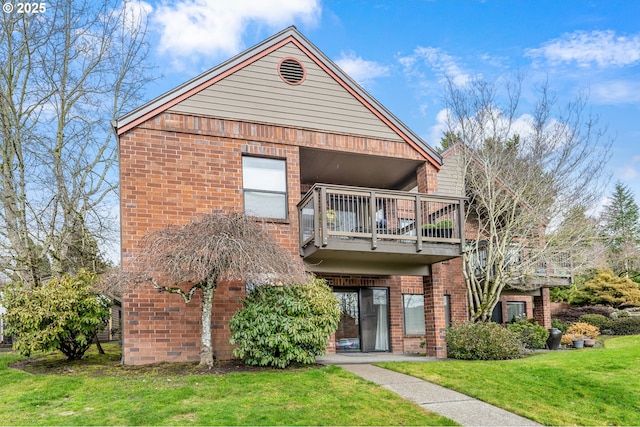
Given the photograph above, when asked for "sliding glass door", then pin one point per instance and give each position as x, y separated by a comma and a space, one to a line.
374, 316
364, 323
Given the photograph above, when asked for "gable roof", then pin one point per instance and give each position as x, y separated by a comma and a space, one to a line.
242, 60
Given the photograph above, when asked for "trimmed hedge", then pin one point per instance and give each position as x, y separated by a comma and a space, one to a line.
625, 326
483, 341
598, 320
572, 315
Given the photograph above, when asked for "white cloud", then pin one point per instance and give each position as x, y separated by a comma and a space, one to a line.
602, 48
436, 132
361, 70
616, 92
441, 63
495, 60
214, 27
629, 173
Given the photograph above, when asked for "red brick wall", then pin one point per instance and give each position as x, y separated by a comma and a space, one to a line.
174, 167
446, 279
434, 313
454, 286
160, 326
542, 308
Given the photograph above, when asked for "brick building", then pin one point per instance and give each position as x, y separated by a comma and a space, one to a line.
280, 132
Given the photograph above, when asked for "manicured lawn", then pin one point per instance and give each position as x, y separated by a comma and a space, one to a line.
574, 387
103, 393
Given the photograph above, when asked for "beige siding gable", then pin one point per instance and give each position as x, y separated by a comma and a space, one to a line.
450, 177
256, 93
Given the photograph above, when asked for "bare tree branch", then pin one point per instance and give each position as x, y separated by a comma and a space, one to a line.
64, 75
524, 174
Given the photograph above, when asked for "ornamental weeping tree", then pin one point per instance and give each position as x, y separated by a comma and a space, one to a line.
524, 175
209, 251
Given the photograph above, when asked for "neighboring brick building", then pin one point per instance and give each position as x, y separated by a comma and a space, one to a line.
280, 132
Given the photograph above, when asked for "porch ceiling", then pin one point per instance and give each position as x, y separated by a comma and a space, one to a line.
359, 170
356, 257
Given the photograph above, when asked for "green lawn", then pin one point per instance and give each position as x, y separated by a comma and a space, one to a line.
100, 392
578, 387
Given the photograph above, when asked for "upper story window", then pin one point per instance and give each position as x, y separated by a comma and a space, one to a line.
264, 184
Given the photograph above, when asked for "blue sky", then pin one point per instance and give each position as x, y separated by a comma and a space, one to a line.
400, 51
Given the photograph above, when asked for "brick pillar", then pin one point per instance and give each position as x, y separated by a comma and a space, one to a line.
542, 308
427, 177
434, 313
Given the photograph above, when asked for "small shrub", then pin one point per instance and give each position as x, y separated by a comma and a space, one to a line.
445, 223
625, 326
531, 334
583, 329
559, 324
602, 322
482, 341
281, 325
567, 339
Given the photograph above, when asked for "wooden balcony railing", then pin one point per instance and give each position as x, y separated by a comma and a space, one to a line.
530, 262
337, 214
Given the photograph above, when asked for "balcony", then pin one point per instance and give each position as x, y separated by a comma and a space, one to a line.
356, 230
555, 269
531, 268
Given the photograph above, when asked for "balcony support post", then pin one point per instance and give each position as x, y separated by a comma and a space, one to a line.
323, 215
418, 222
374, 223
461, 221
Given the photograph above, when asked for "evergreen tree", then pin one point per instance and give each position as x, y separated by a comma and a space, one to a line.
448, 140
621, 231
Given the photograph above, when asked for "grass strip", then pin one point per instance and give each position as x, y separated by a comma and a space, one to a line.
597, 386
98, 391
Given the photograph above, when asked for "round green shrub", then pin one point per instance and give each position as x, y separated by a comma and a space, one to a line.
281, 325
625, 326
531, 334
482, 341
62, 313
602, 322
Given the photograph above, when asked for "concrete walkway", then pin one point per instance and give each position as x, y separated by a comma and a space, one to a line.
461, 408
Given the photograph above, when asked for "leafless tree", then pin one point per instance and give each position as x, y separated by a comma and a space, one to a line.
215, 249
524, 175
66, 70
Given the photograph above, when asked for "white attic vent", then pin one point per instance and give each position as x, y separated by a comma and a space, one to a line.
291, 71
